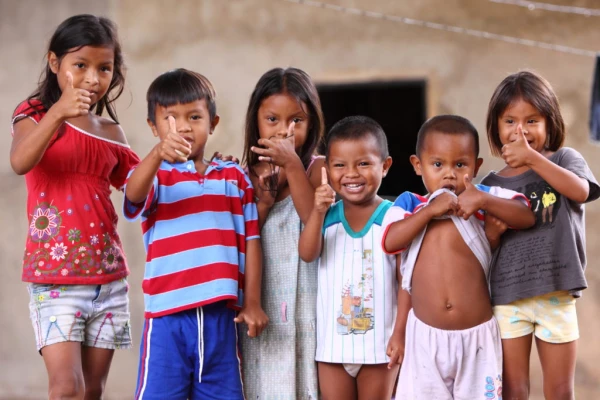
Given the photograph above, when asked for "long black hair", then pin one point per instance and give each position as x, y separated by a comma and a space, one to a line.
71, 35
297, 84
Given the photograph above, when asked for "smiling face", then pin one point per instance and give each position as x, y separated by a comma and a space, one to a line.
520, 112
192, 121
356, 169
275, 115
91, 67
445, 159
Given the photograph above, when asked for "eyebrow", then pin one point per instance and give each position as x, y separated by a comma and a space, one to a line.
81, 58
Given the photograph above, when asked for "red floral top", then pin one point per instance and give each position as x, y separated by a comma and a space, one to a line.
72, 237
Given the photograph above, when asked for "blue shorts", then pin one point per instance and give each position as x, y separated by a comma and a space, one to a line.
191, 354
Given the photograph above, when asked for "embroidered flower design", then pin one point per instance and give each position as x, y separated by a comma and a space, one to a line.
45, 223
54, 294
41, 264
81, 249
99, 272
98, 251
78, 314
37, 272
74, 235
41, 297
94, 239
111, 259
59, 252
77, 261
64, 272
106, 238
69, 211
47, 245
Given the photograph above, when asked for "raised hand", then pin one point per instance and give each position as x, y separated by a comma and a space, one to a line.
444, 204
173, 148
518, 152
470, 200
324, 194
277, 150
219, 156
73, 102
265, 179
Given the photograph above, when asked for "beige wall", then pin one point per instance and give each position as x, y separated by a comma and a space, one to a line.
233, 42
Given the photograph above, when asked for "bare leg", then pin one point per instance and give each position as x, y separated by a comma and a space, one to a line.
515, 375
65, 375
335, 383
96, 363
376, 381
550, 209
558, 367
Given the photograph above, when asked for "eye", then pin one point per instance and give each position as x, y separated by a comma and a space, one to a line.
460, 165
271, 119
105, 69
363, 163
297, 120
195, 117
531, 121
80, 65
509, 121
338, 165
437, 164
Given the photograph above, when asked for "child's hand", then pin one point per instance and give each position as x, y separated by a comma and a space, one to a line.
254, 317
278, 151
73, 102
219, 156
470, 200
444, 204
395, 350
494, 228
518, 153
324, 194
173, 148
265, 179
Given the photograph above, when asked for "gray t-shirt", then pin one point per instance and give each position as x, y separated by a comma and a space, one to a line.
550, 256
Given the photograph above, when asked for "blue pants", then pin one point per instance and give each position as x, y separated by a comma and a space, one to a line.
191, 354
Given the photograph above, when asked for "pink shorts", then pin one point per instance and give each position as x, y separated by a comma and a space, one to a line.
446, 365
95, 315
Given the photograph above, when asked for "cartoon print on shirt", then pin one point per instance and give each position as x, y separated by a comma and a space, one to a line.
545, 202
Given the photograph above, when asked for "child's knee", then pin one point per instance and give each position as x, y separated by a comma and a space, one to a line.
561, 390
515, 389
66, 387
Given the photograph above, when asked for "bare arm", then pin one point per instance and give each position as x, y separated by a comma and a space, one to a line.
401, 233
252, 313
31, 140
395, 348
311, 238
518, 154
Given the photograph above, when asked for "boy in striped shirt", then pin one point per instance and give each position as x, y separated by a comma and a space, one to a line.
203, 262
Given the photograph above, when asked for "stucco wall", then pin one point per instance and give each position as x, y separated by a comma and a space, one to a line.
233, 42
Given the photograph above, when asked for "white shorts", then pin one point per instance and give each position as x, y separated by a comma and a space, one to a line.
440, 364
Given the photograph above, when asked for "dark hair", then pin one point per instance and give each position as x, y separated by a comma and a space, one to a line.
447, 124
536, 91
296, 83
180, 86
71, 35
355, 128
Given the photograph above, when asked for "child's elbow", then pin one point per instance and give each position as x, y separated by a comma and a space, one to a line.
18, 166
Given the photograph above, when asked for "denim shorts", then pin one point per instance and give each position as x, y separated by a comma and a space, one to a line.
94, 315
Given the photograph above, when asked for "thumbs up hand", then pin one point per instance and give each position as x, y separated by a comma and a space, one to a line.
324, 194
73, 102
470, 200
518, 152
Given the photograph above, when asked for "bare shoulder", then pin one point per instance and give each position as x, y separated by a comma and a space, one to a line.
111, 130
314, 171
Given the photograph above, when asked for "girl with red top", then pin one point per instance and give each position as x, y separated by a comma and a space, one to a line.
70, 155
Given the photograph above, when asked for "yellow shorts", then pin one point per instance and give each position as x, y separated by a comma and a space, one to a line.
551, 316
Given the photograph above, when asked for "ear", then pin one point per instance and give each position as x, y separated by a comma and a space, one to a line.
153, 127
214, 123
477, 166
387, 163
53, 62
416, 163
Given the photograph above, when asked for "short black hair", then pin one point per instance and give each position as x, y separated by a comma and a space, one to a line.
180, 86
358, 127
447, 124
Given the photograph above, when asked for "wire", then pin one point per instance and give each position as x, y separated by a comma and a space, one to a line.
533, 5
448, 28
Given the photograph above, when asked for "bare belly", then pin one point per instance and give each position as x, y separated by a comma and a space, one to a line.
449, 290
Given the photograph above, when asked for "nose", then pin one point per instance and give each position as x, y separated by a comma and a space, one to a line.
449, 173
351, 171
91, 77
183, 125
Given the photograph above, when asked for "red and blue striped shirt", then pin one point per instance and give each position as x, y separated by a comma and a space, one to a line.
195, 232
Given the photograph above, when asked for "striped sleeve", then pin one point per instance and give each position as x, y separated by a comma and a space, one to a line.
248, 205
398, 211
132, 211
504, 193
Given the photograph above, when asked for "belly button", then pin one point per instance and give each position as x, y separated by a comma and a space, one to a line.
448, 306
